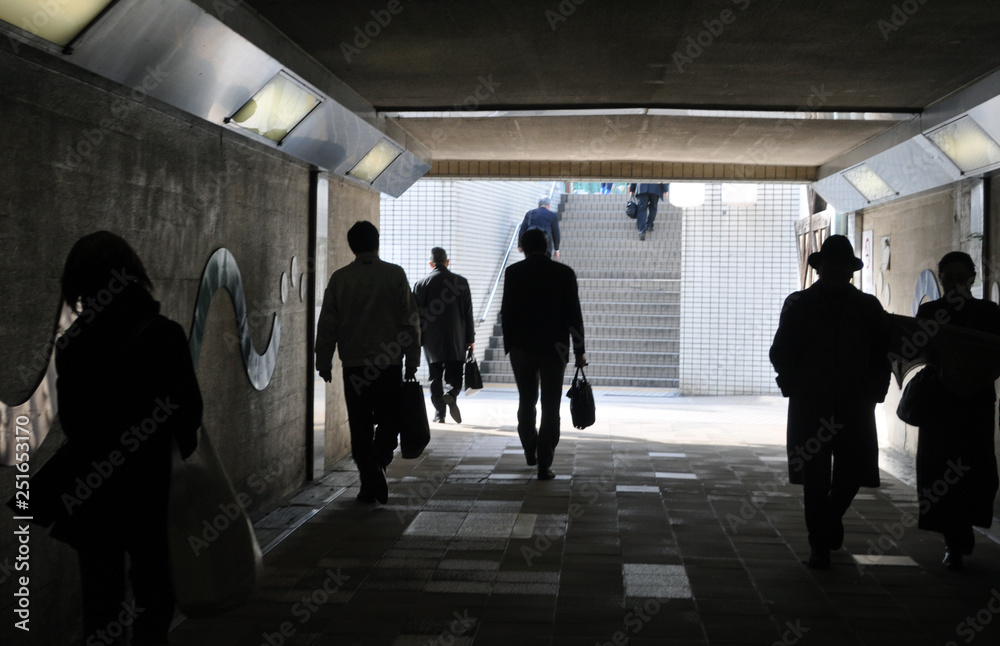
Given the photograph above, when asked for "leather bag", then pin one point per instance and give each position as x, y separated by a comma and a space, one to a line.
473, 378
920, 400
632, 208
581, 401
414, 429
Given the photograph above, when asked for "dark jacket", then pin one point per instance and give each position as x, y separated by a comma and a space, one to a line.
544, 219
445, 305
126, 387
540, 311
649, 189
830, 353
961, 435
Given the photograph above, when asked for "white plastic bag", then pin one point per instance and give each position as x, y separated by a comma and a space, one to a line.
215, 560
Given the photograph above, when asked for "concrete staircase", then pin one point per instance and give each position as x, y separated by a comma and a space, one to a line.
629, 292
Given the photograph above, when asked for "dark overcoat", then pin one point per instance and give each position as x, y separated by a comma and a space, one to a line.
956, 457
830, 353
445, 304
126, 387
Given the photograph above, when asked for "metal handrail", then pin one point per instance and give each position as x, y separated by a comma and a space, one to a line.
496, 282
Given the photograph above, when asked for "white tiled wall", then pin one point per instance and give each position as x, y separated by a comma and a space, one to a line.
739, 264
472, 220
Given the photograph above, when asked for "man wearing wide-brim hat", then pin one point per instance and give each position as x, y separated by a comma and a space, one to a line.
830, 353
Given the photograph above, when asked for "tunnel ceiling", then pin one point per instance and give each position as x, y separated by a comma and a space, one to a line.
852, 56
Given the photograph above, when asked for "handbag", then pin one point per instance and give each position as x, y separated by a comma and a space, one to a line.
632, 208
920, 400
414, 429
581, 400
215, 560
473, 378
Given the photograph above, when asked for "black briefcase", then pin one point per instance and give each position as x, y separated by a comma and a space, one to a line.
414, 429
581, 401
473, 379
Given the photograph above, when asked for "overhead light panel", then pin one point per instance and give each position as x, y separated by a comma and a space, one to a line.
687, 195
58, 22
868, 183
966, 144
276, 109
376, 161
739, 194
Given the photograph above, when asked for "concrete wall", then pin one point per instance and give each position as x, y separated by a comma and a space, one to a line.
922, 229
348, 204
81, 154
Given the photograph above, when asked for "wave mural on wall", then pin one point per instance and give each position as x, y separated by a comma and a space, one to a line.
39, 410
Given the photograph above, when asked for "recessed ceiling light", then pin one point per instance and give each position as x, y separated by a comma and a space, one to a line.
58, 21
687, 195
868, 183
966, 144
376, 161
278, 107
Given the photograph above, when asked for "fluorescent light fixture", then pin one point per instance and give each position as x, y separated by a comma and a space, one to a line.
966, 144
376, 161
278, 107
868, 183
739, 194
59, 21
686, 195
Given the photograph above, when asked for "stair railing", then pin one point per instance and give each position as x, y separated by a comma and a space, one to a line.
496, 281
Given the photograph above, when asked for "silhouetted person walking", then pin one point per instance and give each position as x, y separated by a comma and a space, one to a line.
370, 316
647, 197
127, 389
545, 219
956, 458
539, 314
447, 331
830, 353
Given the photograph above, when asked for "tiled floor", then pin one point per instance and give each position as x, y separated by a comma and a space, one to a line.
670, 522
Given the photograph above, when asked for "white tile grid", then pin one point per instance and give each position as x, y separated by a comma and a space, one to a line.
471, 220
738, 266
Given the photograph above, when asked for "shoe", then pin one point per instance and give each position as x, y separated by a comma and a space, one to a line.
439, 419
530, 458
836, 533
545, 473
952, 560
649, 227
642, 236
456, 414
365, 497
819, 559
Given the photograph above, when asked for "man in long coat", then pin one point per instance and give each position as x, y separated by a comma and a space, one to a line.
446, 330
830, 353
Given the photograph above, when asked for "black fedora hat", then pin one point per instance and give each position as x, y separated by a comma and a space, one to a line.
836, 248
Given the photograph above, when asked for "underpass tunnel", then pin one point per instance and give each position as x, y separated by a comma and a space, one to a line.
234, 144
